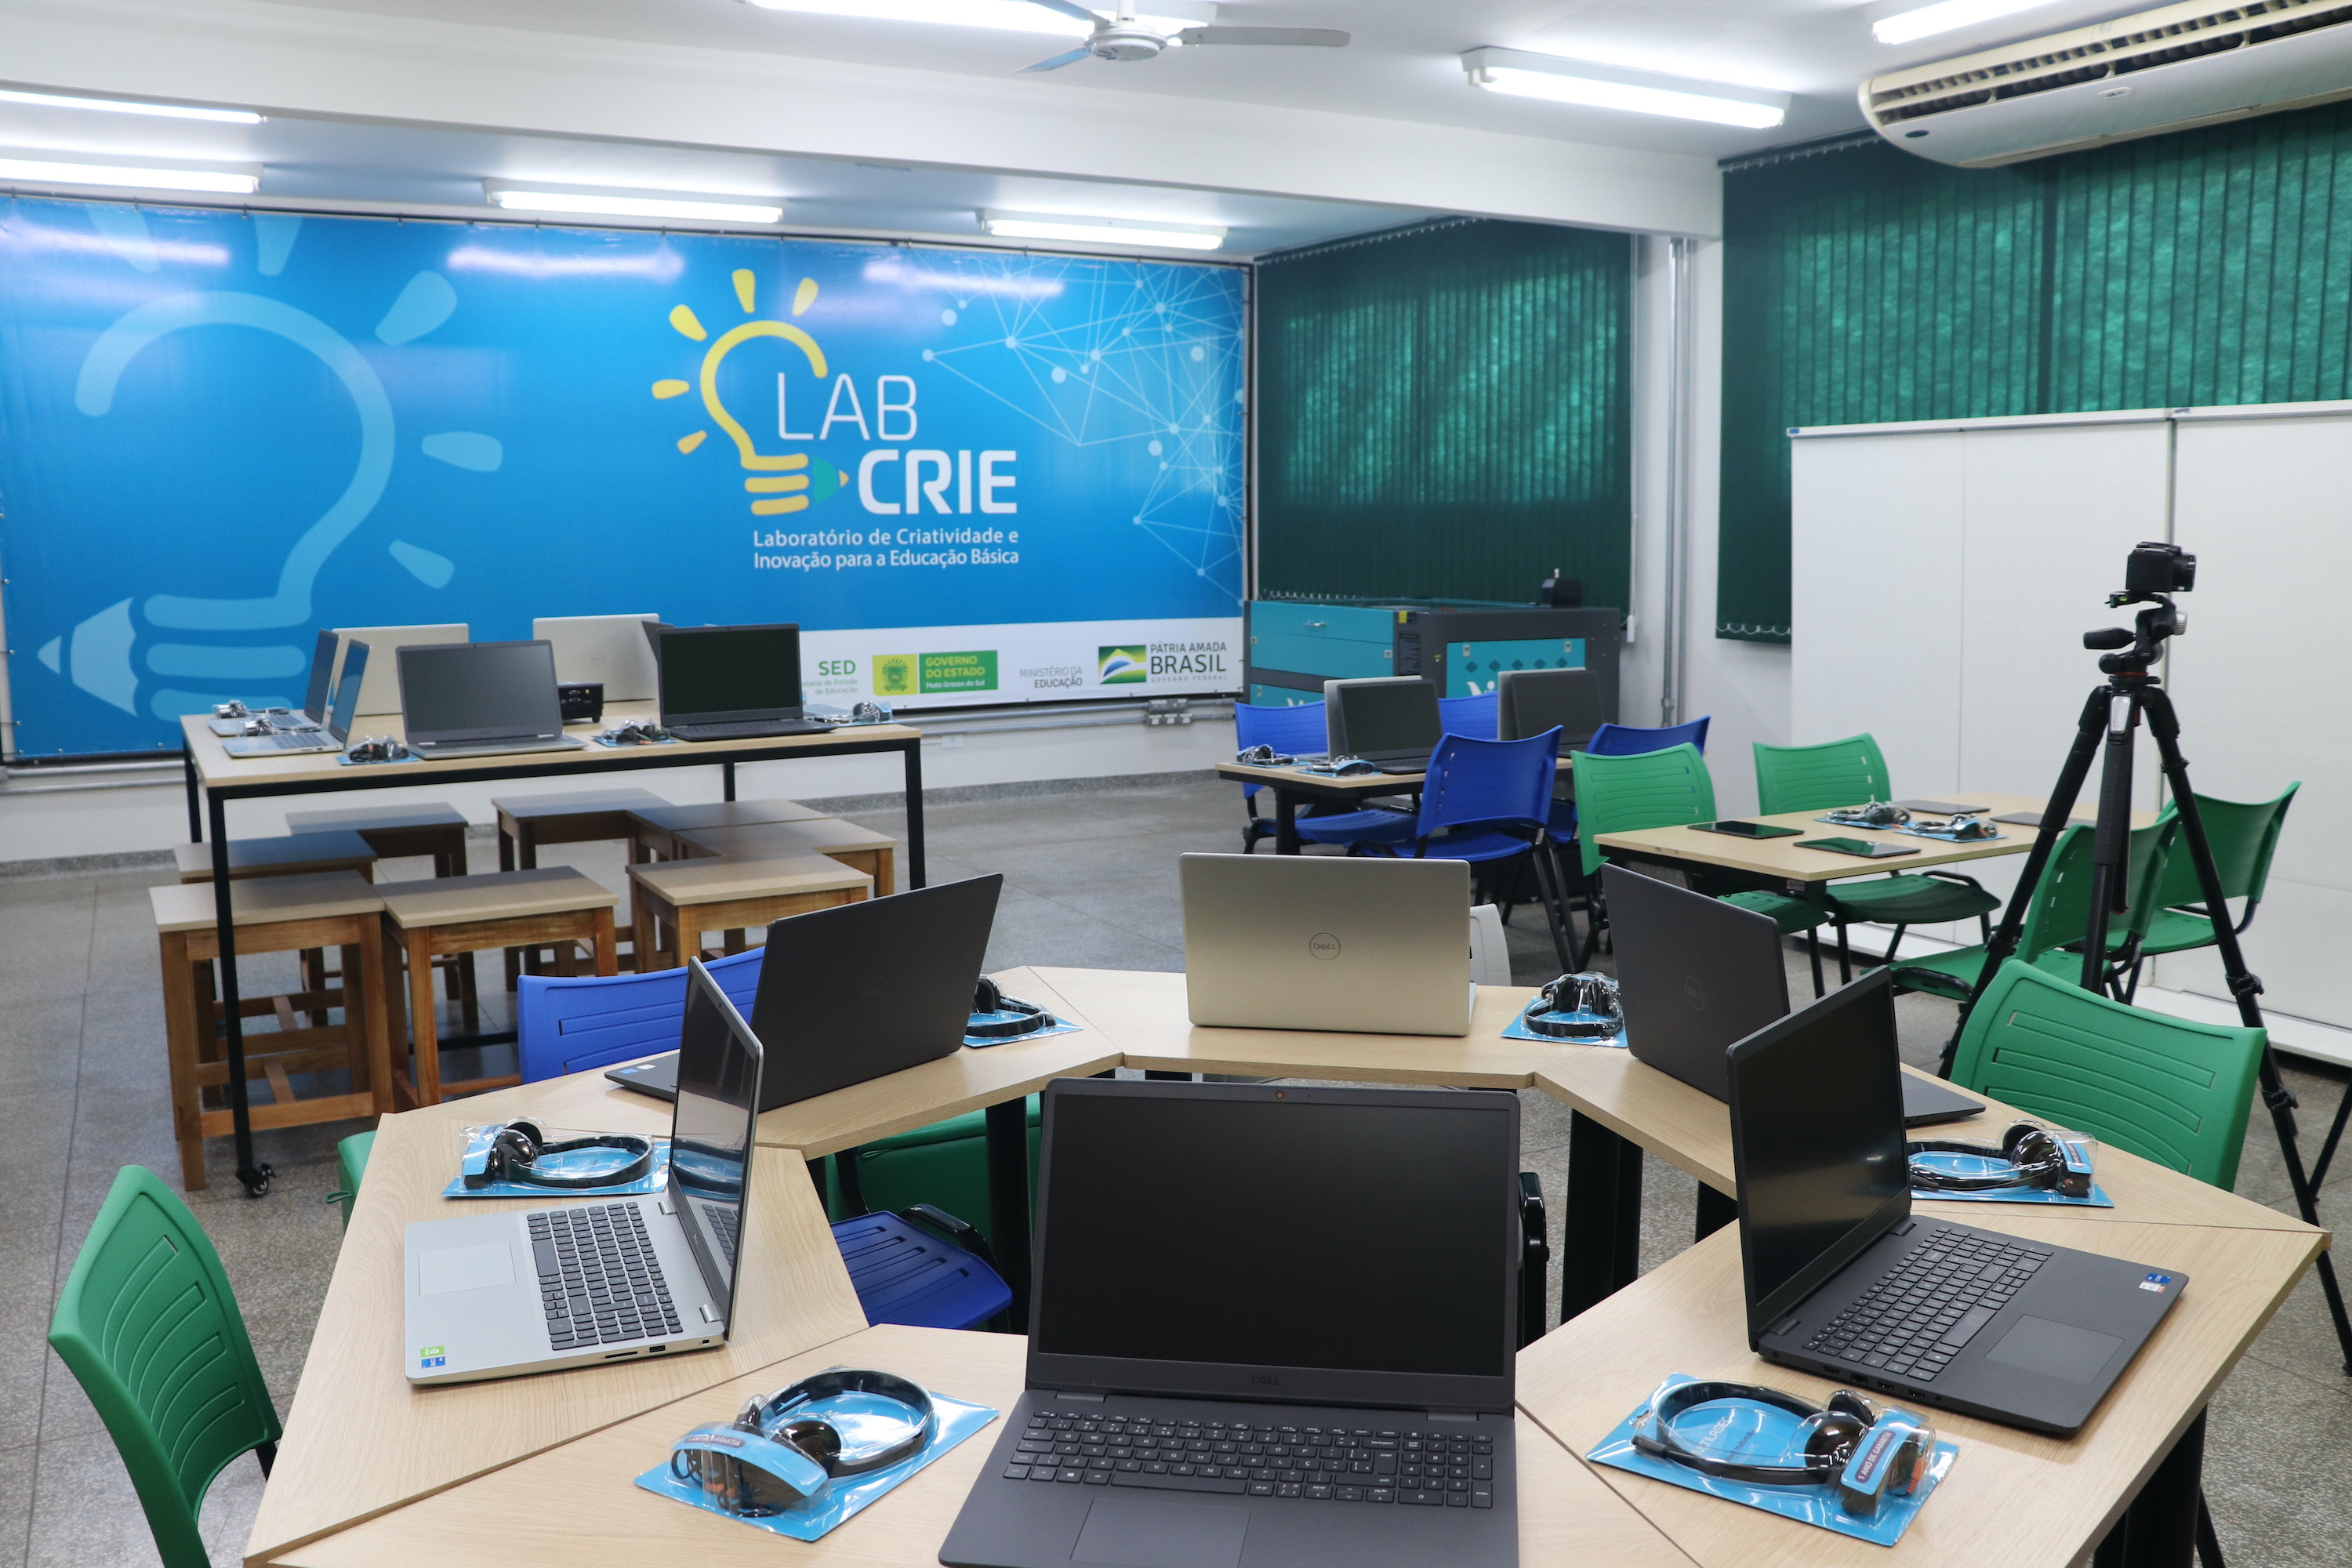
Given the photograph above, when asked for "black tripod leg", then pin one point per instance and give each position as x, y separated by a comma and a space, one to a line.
2111, 842
2089, 732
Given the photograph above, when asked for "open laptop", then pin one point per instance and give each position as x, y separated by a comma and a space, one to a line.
333, 737
1390, 722
731, 683
381, 694
482, 699
612, 651
1530, 702
860, 990
1362, 945
1844, 1281
1695, 974
312, 714
1271, 1327
602, 1280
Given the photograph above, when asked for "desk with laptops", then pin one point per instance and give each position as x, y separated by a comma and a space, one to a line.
1241, 1289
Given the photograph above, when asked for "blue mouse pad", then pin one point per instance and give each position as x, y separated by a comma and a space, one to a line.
1985, 1165
1059, 1026
1516, 1029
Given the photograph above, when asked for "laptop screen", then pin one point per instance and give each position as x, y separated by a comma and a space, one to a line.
347, 691
322, 665
1344, 1246
478, 691
719, 1061
1389, 716
715, 674
1817, 1142
1534, 701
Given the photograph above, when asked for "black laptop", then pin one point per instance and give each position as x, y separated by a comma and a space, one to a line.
1271, 1327
853, 991
1695, 974
1390, 722
730, 683
1530, 702
1845, 1282
481, 699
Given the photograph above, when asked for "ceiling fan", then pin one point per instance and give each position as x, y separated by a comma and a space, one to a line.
1120, 37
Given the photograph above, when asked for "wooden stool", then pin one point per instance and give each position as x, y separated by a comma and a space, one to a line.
693, 897
275, 914
398, 832
295, 855
656, 828
553, 906
876, 854
577, 816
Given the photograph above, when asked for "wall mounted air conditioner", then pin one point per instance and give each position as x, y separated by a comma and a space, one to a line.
2159, 70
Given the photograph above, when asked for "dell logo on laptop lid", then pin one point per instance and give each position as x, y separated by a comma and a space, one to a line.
1323, 945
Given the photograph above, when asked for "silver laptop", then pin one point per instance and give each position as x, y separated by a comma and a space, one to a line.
482, 699
602, 1280
333, 737
612, 651
1369, 946
310, 716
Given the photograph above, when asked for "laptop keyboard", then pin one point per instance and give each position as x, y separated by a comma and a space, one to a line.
1318, 1464
1925, 1310
598, 1278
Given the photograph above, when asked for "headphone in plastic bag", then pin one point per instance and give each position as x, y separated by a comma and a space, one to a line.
2031, 1155
1849, 1443
1592, 996
752, 1467
987, 999
516, 1148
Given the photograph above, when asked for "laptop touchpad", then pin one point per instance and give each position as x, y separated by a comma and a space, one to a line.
2046, 1349
465, 1269
1146, 1533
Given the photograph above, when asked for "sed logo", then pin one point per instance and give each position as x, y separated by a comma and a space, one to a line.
1323, 945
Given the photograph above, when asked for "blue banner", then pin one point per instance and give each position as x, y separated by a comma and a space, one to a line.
971, 476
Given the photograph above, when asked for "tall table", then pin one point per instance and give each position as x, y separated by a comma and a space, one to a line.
215, 778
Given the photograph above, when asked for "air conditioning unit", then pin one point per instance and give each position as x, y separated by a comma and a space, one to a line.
2165, 69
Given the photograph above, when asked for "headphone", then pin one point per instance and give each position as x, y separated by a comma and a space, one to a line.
515, 1148
1591, 993
987, 999
746, 1470
2032, 1156
1873, 814
634, 734
377, 748
1896, 1461
1262, 757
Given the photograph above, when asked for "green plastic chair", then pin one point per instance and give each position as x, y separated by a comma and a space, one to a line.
1662, 789
1852, 772
2165, 1088
350, 1164
2051, 938
149, 1327
2244, 838
944, 1164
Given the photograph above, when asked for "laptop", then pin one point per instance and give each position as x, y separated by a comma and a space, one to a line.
1695, 974
337, 732
1371, 946
1271, 1327
859, 991
1844, 1281
731, 683
313, 712
482, 699
1530, 702
603, 1279
612, 651
1390, 722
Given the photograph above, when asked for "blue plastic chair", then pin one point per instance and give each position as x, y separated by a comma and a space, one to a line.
1297, 731
1478, 717
1628, 740
578, 1023
905, 1274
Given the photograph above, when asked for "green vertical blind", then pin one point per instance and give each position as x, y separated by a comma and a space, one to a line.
1445, 412
1865, 285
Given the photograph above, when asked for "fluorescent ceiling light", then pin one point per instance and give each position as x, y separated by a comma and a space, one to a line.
1005, 15
1596, 85
121, 106
1929, 20
635, 206
1102, 231
135, 178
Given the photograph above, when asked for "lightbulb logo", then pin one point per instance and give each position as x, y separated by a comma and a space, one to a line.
781, 482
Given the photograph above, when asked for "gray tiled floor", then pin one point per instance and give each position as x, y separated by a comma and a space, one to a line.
1090, 880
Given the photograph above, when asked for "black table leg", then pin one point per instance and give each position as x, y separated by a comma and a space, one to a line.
2161, 1528
1716, 1210
1285, 821
727, 781
196, 808
915, 873
1008, 1199
255, 1176
1602, 1250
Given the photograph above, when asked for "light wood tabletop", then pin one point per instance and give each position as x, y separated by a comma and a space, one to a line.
1290, 777
361, 1439
1779, 858
532, 1510
2012, 1497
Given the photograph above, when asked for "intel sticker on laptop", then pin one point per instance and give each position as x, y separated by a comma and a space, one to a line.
2156, 1282
432, 1356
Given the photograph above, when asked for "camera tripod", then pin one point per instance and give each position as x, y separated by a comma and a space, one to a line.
2109, 723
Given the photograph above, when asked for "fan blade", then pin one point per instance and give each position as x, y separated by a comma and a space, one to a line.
1068, 8
1312, 37
1058, 61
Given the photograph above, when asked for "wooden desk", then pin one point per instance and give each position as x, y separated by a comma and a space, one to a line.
361, 1439
2012, 1497
531, 1511
214, 778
